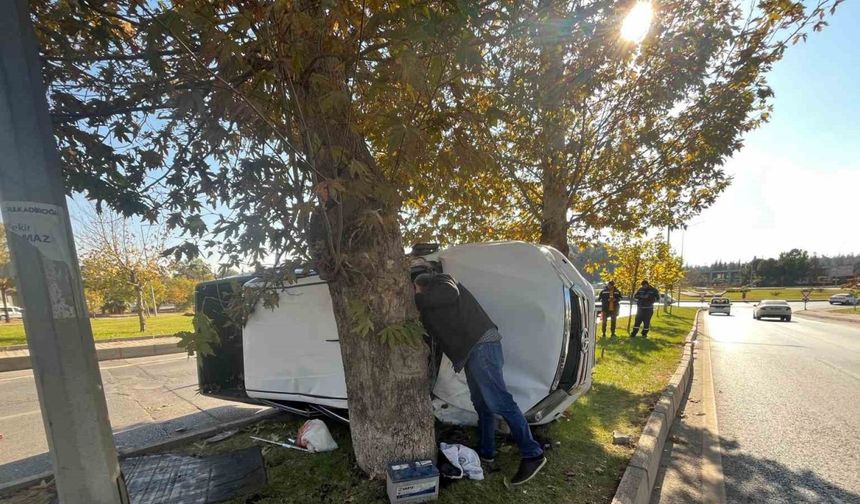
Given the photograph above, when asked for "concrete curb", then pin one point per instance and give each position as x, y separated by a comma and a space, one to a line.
19, 362
641, 473
12, 487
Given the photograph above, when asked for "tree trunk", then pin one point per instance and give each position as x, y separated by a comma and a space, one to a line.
388, 387
5, 307
154, 302
141, 316
554, 224
555, 169
356, 239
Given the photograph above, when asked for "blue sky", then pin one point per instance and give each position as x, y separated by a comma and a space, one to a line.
798, 177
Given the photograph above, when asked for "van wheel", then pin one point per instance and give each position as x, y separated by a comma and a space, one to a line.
788, 319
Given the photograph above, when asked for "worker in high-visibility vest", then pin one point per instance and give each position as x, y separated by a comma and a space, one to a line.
610, 298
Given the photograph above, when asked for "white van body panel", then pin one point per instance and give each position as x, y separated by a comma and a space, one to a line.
523, 294
291, 353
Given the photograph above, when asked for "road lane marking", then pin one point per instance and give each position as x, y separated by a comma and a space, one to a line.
838, 368
146, 363
17, 415
17, 378
713, 481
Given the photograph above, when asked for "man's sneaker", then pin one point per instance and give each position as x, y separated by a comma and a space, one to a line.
529, 467
489, 465
633, 334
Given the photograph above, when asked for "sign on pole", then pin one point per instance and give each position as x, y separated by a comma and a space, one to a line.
805, 293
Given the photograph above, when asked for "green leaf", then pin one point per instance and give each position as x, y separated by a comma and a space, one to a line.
203, 339
407, 333
359, 317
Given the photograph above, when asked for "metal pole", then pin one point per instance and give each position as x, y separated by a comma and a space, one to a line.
683, 232
32, 200
632, 289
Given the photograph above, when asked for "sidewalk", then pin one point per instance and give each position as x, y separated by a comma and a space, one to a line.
19, 358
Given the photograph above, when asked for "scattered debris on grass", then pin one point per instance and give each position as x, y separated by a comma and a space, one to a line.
182, 479
222, 436
621, 439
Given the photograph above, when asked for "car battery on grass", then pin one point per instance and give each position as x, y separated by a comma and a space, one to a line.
416, 481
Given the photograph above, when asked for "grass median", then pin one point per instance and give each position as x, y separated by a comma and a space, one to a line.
109, 328
584, 466
848, 311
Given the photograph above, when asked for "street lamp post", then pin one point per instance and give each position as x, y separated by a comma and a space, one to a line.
39, 234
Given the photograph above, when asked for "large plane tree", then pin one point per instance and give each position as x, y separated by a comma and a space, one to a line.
276, 133
576, 130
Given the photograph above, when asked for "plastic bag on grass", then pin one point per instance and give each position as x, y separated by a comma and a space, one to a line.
315, 436
463, 458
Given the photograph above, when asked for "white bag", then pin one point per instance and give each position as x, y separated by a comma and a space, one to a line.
463, 458
314, 436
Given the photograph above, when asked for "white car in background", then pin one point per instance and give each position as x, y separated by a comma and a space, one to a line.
844, 299
771, 308
720, 305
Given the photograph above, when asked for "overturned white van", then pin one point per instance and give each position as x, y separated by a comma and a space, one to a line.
290, 357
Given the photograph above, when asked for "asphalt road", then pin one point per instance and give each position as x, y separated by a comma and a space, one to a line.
787, 413
149, 399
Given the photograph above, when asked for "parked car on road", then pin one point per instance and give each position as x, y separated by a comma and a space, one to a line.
13, 311
290, 357
844, 299
720, 305
772, 309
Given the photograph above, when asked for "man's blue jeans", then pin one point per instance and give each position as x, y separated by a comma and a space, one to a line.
490, 398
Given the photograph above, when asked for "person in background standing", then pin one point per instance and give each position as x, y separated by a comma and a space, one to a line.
645, 298
610, 297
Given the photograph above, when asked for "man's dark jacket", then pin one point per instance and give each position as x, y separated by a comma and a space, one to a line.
646, 297
604, 297
452, 316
